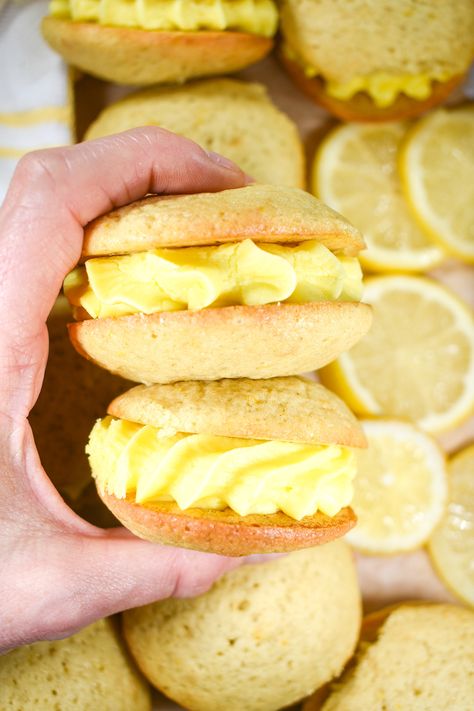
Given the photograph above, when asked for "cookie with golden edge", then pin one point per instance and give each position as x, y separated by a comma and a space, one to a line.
377, 60
138, 57
229, 341
234, 118
415, 655
281, 410
270, 633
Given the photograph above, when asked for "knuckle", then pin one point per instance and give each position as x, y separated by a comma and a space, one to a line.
40, 166
161, 138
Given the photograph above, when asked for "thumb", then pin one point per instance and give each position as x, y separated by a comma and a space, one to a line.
74, 580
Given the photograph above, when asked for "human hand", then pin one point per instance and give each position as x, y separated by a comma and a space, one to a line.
58, 573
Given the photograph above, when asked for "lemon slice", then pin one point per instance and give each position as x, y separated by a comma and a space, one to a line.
416, 362
451, 546
437, 169
400, 489
356, 173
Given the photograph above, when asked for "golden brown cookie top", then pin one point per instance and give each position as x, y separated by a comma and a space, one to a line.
289, 408
263, 213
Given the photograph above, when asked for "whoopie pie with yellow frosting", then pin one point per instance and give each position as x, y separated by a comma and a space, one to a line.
231, 466
377, 60
141, 42
254, 282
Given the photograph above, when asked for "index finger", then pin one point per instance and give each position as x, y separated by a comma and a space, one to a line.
53, 195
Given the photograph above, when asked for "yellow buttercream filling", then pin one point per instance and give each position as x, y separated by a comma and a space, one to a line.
382, 87
199, 277
254, 16
206, 471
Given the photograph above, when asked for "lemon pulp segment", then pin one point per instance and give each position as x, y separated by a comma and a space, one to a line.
199, 277
255, 16
214, 472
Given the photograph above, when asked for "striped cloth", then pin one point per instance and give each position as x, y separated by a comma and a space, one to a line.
35, 89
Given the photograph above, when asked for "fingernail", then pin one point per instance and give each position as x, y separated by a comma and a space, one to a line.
223, 162
249, 180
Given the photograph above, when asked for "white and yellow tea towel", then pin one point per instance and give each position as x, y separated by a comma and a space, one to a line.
35, 97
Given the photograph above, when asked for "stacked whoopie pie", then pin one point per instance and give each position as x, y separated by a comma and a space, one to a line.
214, 301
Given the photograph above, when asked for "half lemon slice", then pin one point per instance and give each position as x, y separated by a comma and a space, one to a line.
416, 362
437, 169
451, 546
400, 488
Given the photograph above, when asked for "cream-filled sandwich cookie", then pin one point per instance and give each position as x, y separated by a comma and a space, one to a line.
141, 42
255, 282
231, 466
377, 60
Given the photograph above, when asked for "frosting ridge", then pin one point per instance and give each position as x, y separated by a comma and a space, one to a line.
382, 87
254, 16
215, 472
200, 277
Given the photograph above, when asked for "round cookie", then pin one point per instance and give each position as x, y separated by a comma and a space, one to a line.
227, 341
262, 638
413, 656
377, 60
90, 670
234, 118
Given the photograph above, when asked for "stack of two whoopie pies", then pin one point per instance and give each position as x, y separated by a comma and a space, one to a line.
214, 302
